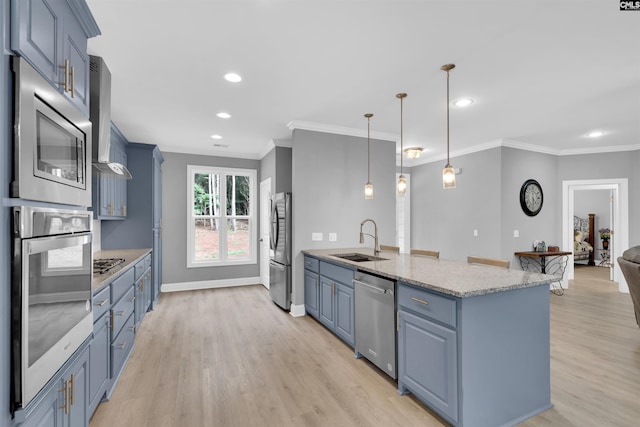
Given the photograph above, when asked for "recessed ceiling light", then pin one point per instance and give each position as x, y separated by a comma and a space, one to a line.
463, 102
216, 137
233, 77
595, 134
223, 115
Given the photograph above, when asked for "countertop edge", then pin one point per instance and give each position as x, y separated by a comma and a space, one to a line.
131, 256
412, 281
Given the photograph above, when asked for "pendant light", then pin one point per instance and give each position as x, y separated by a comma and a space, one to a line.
448, 173
402, 181
368, 187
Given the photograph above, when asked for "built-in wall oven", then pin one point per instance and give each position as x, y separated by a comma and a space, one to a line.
52, 142
51, 312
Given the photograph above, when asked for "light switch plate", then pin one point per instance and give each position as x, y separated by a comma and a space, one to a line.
333, 237
475, 233
516, 233
316, 237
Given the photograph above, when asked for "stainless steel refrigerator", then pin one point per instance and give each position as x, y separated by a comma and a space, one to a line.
280, 250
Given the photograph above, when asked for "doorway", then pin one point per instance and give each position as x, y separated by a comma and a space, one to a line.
265, 211
619, 220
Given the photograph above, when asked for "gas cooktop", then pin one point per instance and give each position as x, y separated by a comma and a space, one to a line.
104, 265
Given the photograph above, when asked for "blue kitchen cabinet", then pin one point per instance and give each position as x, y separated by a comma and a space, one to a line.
143, 225
52, 35
63, 401
109, 194
142, 289
122, 325
99, 357
336, 303
312, 286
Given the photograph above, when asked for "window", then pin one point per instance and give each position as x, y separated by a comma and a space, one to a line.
221, 227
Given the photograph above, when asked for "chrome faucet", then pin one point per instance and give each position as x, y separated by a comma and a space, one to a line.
376, 247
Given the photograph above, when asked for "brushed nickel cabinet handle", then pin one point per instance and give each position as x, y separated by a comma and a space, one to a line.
124, 210
132, 299
421, 301
73, 86
66, 397
65, 83
102, 303
111, 209
72, 387
122, 346
121, 313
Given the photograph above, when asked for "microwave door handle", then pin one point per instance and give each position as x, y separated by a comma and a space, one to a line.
42, 244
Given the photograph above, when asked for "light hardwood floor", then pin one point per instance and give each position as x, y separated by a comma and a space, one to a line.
230, 357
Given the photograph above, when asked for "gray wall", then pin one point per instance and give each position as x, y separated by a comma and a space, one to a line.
444, 220
608, 166
487, 198
329, 174
276, 164
174, 211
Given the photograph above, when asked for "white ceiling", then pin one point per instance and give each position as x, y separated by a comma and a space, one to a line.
542, 73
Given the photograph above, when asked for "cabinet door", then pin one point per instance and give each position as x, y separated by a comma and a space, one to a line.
99, 362
311, 295
427, 363
327, 302
148, 284
139, 301
73, 392
74, 48
35, 29
344, 312
157, 267
46, 412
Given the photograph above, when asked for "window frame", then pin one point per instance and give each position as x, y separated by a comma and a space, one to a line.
252, 259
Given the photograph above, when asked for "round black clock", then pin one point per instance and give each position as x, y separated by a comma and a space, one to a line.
531, 197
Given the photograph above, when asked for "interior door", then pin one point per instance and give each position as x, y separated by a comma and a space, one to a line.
265, 212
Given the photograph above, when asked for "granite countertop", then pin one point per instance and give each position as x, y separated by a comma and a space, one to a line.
456, 278
131, 256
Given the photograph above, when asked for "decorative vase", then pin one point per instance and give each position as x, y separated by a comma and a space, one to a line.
605, 244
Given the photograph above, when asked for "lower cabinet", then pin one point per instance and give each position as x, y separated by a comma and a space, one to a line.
329, 297
64, 403
99, 362
427, 349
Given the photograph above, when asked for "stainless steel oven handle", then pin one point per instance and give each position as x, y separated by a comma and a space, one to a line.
43, 244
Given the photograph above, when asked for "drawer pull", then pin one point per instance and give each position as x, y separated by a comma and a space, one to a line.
121, 313
131, 328
122, 346
132, 299
100, 304
421, 301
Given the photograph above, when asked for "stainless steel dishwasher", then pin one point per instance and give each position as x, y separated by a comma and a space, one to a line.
376, 321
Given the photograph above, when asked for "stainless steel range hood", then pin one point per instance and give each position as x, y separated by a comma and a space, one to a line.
100, 113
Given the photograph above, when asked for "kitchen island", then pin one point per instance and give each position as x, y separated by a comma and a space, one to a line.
472, 340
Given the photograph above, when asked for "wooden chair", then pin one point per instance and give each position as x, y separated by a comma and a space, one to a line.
389, 248
433, 254
488, 261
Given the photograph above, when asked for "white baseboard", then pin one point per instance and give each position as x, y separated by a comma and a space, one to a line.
209, 284
297, 310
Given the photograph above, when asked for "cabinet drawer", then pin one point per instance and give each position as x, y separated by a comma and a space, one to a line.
427, 304
122, 310
311, 264
122, 285
140, 267
101, 303
340, 274
147, 261
122, 345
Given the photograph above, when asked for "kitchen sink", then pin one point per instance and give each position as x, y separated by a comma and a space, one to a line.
356, 257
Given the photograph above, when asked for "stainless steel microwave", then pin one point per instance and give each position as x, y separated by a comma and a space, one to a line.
52, 142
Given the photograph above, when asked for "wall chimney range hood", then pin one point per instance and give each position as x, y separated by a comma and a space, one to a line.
100, 114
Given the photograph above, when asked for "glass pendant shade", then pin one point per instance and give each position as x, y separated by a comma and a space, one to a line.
448, 177
402, 185
368, 191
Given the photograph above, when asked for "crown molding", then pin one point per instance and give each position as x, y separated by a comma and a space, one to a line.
82, 12
285, 143
207, 152
340, 130
599, 150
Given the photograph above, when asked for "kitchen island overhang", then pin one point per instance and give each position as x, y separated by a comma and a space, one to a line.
501, 333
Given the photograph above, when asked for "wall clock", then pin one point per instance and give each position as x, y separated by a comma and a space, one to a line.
531, 197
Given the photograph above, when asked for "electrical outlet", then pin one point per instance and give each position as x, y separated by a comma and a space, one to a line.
316, 237
333, 237
516, 233
475, 233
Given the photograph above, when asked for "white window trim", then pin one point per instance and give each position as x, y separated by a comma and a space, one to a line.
253, 258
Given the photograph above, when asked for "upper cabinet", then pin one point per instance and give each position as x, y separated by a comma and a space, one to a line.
110, 191
52, 35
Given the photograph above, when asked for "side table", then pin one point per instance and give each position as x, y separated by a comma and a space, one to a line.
553, 263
